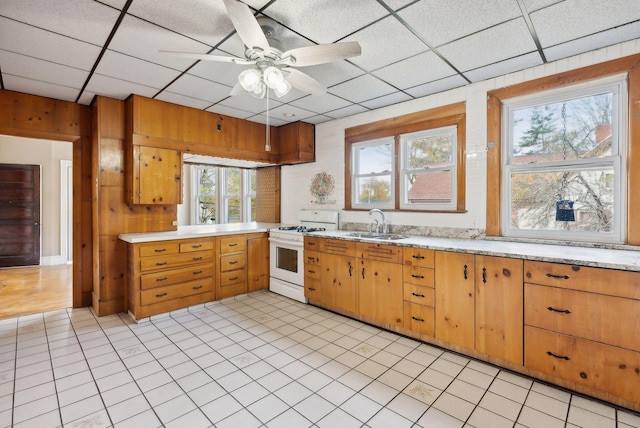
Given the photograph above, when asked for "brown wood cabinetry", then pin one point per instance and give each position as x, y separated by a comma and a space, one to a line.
156, 176
418, 289
338, 278
574, 313
479, 303
257, 262
169, 275
232, 266
296, 143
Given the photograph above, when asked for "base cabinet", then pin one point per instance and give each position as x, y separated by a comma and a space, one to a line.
418, 290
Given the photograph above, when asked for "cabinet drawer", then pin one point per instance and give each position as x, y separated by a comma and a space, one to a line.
160, 279
159, 248
418, 275
595, 280
418, 257
312, 271
176, 291
337, 246
187, 247
311, 243
418, 294
606, 319
312, 258
233, 262
233, 244
419, 319
312, 290
380, 252
233, 277
174, 260
603, 367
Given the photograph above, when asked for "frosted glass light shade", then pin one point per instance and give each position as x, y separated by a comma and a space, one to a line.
282, 89
273, 77
250, 79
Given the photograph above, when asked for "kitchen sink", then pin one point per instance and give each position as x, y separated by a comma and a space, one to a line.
369, 235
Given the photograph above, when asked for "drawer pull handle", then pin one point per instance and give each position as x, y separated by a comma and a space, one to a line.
161, 263
418, 295
311, 289
160, 250
198, 272
311, 259
164, 278
417, 319
417, 257
233, 245
233, 262
464, 272
561, 357
161, 295
563, 311
550, 275
351, 268
311, 243
311, 271
196, 246
197, 287
233, 279
417, 276
484, 275
195, 259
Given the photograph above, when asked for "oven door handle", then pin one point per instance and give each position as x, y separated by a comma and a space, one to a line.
289, 244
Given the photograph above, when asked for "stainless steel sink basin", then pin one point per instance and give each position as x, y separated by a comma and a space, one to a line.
369, 235
389, 237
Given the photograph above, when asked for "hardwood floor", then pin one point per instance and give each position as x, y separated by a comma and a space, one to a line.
33, 289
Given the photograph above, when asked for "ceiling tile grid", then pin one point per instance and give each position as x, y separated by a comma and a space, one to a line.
76, 49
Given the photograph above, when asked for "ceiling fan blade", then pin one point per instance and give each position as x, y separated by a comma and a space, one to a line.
236, 90
320, 54
304, 82
206, 57
246, 25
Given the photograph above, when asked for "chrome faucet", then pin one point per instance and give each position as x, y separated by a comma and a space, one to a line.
384, 223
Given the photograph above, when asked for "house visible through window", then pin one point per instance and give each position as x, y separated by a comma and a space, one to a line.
564, 163
223, 195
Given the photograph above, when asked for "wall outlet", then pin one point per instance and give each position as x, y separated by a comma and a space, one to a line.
174, 222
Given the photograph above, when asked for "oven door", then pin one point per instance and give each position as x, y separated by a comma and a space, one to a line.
286, 262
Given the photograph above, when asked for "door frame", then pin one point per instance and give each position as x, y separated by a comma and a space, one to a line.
66, 211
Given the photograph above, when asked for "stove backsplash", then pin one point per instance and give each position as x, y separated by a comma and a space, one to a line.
439, 232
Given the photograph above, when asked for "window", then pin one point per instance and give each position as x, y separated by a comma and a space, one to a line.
563, 163
223, 195
412, 162
429, 169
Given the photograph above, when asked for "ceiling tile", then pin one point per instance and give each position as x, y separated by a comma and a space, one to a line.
397, 4
230, 111
172, 97
248, 103
570, 20
595, 41
362, 88
325, 21
387, 100
125, 67
211, 26
43, 89
199, 88
44, 71
437, 86
284, 111
85, 20
86, 98
385, 42
332, 73
441, 22
221, 72
273, 121
414, 71
20, 38
321, 103
504, 67
346, 111
119, 89
512, 38
150, 40
533, 5
318, 119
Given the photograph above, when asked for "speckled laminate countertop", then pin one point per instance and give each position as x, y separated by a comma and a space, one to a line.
198, 231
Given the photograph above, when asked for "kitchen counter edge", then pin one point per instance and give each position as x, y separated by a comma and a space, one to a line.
198, 231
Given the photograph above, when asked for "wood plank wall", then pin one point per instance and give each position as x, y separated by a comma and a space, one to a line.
30, 116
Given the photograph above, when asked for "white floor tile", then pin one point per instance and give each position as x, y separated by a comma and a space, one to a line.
339, 418
268, 408
386, 418
436, 418
314, 407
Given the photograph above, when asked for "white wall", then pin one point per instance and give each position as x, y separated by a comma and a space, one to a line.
330, 146
47, 154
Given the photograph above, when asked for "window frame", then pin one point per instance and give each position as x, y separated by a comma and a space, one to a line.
449, 115
629, 65
390, 173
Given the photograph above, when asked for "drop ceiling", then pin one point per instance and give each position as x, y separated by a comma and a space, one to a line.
73, 50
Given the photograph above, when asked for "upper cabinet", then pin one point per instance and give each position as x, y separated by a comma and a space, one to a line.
296, 143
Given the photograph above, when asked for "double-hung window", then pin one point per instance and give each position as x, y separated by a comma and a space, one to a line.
373, 177
564, 168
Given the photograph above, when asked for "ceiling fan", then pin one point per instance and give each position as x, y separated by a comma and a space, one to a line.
273, 66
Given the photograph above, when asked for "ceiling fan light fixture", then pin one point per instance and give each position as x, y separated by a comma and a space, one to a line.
282, 88
273, 77
250, 80
259, 91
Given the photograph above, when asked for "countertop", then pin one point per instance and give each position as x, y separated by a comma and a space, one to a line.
198, 231
582, 256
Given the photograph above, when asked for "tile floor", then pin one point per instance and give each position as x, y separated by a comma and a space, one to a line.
260, 361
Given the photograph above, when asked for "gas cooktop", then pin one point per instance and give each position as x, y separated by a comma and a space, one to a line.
302, 229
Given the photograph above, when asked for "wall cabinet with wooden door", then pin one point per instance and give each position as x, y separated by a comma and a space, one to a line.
479, 303
156, 176
380, 295
581, 325
296, 143
169, 275
418, 290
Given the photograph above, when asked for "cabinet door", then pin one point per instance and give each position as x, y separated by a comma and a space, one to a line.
455, 298
380, 291
258, 263
339, 282
157, 176
499, 303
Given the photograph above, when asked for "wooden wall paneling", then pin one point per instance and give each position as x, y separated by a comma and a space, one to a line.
494, 157
111, 163
200, 126
268, 194
156, 118
30, 116
113, 270
633, 165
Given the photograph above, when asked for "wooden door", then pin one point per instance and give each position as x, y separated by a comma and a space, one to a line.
499, 303
258, 263
158, 176
455, 298
339, 282
19, 215
380, 291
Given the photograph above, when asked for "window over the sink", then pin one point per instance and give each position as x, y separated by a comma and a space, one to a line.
413, 162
